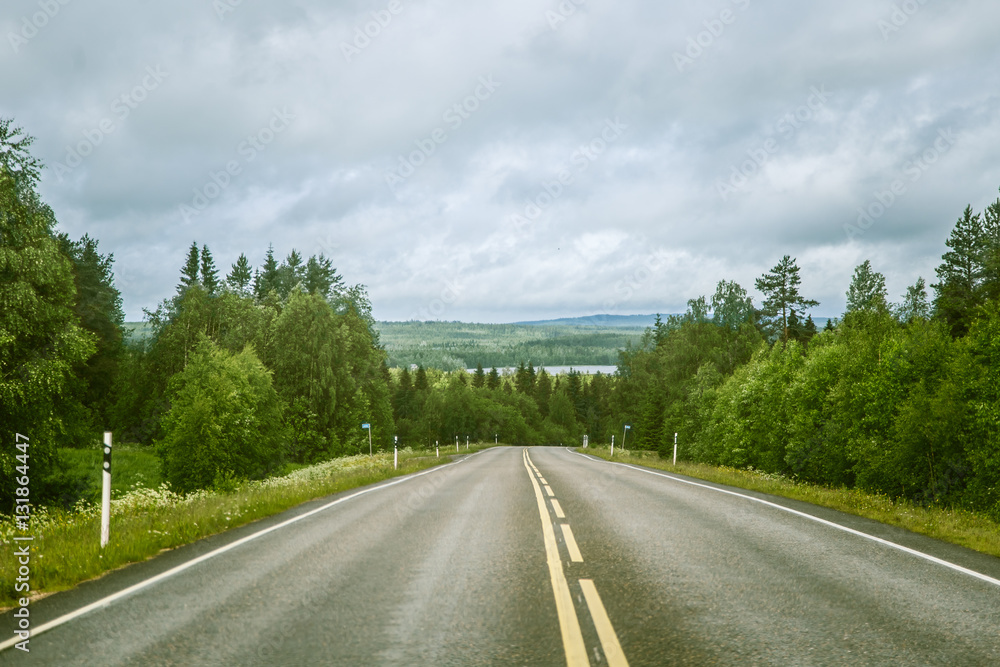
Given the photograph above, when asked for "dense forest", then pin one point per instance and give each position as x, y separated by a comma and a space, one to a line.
243, 371
453, 345
240, 373
901, 399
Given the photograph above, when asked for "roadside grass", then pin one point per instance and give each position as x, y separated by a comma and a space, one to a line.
145, 521
133, 466
957, 526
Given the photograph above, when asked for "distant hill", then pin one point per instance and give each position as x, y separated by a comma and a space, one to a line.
626, 321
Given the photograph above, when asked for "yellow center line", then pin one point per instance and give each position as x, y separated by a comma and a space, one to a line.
542, 480
569, 624
558, 509
574, 551
605, 631
548, 490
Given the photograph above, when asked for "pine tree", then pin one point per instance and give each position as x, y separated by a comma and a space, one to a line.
189, 272
780, 288
239, 277
209, 274
991, 252
867, 290
960, 274
479, 379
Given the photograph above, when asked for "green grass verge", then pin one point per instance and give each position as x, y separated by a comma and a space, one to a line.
133, 466
950, 525
66, 546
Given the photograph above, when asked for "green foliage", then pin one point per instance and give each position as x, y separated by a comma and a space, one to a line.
189, 272
209, 274
454, 345
969, 274
915, 304
867, 290
240, 276
780, 287
99, 309
980, 369
224, 422
42, 343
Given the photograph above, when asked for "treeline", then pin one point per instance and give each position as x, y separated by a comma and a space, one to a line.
525, 407
239, 375
245, 373
898, 399
454, 345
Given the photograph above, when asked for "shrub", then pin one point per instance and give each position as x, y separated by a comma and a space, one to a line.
225, 420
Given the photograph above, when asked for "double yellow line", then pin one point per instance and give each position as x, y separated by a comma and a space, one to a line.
569, 623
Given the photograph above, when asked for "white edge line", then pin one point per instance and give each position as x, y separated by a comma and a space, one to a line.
211, 554
892, 545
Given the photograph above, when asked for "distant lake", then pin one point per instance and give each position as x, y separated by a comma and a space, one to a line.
559, 370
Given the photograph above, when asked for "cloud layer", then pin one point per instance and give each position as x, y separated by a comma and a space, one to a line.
514, 160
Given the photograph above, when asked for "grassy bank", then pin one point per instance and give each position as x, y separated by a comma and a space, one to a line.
955, 526
134, 466
66, 550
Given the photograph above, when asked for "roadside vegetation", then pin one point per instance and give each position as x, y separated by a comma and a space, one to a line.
146, 520
246, 375
967, 529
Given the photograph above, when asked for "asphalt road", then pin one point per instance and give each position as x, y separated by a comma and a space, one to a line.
473, 564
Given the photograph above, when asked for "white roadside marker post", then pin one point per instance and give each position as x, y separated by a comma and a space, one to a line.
456, 444
395, 452
106, 492
612, 445
466, 442
437, 449
675, 449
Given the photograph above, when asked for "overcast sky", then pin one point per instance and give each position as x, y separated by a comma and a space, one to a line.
512, 160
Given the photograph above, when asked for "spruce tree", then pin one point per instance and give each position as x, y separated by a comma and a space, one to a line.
479, 379
239, 277
420, 379
189, 272
209, 274
268, 279
493, 379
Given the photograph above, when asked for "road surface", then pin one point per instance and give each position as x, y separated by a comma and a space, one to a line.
537, 556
